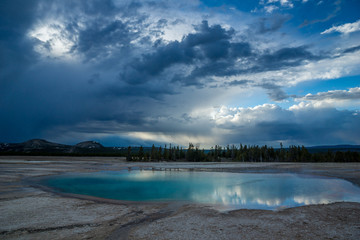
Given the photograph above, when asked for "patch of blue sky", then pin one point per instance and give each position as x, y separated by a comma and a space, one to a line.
245, 6
317, 86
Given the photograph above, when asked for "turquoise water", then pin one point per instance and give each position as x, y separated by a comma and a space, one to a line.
227, 190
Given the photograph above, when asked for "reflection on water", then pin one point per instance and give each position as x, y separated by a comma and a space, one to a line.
231, 190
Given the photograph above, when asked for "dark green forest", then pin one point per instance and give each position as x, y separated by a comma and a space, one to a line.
240, 153
193, 153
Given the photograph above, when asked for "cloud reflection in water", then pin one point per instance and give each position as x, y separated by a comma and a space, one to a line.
230, 190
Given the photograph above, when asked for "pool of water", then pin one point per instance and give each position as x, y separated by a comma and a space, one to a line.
228, 190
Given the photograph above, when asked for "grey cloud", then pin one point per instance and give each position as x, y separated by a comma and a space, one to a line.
17, 15
153, 91
271, 24
239, 82
209, 52
240, 49
177, 21
99, 9
352, 49
122, 86
162, 23
206, 71
94, 78
97, 38
274, 91
285, 57
103, 7
216, 50
15, 47
140, 71
207, 34
55, 97
213, 42
280, 59
352, 93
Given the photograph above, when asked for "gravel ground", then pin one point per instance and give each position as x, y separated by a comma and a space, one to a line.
30, 212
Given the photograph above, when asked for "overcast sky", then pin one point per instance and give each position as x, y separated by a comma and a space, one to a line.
209, 72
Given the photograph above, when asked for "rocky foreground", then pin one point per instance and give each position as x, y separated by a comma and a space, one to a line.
30, 212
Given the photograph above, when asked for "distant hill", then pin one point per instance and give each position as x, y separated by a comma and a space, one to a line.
34, 145
43, 147
334, 148
89, 145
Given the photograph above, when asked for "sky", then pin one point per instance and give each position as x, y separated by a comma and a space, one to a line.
208, 72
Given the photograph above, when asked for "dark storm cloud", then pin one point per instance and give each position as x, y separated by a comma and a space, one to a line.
103, 7
211, 52
209, 44
154, 64
16, 49
51, 94
103, 37
153, 91
68, 100
100, 9
98, 37
255, 62
17, 15
94, 78
122, 77
285, 57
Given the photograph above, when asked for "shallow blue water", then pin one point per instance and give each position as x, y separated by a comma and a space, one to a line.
228, 190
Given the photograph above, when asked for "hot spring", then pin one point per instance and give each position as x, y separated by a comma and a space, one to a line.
227, 190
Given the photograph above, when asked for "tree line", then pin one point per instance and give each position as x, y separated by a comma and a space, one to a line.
239, 153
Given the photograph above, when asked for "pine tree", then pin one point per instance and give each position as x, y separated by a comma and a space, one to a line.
159, 156
141, 153
190, 153
153, 153
166, 153
129, 157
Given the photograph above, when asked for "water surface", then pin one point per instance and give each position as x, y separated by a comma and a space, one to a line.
229, 190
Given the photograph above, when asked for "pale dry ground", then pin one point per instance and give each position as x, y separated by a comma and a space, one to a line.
30, 212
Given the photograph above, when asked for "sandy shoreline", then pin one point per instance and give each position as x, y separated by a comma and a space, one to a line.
29, 212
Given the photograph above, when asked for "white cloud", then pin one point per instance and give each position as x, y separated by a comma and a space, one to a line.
231, 117
353, 93
345, 28
335, 98
270, 8
325, 69
300, 124
283, 3
53, 39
